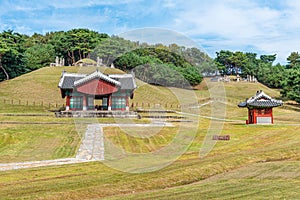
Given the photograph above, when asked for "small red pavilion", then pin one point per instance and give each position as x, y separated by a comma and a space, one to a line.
260, 108
81, 91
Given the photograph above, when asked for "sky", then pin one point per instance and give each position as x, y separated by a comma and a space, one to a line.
260, 26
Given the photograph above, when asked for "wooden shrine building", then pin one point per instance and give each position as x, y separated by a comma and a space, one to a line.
81, 91
260, 108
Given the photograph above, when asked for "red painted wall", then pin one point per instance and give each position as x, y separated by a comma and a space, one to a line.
97, 87
255, 112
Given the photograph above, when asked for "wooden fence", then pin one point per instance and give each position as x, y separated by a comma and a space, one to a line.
133, 105
33, 103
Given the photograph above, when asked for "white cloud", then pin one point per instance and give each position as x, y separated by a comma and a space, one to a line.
241, 24
246, 25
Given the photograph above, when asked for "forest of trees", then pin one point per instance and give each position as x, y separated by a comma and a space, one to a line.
285, 77
171, 65
20, 54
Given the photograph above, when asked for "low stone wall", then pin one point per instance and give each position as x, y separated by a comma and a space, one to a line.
98, 114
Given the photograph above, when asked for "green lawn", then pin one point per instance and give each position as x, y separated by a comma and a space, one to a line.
248, 145
31, 142
259, 162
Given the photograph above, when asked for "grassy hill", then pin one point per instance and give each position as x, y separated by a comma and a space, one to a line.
260, 161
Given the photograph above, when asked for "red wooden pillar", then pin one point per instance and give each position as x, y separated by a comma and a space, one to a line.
68, 103
109, 101
251, 116
254, 115
271, 112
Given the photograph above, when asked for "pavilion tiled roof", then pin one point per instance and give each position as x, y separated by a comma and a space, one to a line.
261, 100
95, 75
71, 80
126, 80
67, 80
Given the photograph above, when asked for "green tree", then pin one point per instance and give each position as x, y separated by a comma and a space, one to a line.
11, 54
293, 60
75, 44
268, 58
195, 56
152, 58
223, 61
270, 75
238, 61
291, 84
39, 55
161, 74
207, 68
3, 49
250, 68
111, 48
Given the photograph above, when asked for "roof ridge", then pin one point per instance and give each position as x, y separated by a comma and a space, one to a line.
96, 74
257, 101
68, 74
259, 95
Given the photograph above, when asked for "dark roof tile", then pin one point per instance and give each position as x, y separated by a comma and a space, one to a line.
68, 80
127, 81
261, 100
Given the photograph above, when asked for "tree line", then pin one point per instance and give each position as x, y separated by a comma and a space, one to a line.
20, 54
167, 65
285, 77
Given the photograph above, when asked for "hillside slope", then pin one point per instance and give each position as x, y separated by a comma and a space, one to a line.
255, 149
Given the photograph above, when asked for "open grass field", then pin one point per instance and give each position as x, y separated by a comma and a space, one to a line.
259, 162
23, 142
276, 180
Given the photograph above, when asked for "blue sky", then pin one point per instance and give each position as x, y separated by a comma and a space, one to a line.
261, 26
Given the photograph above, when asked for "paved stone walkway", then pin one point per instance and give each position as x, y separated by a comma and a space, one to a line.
91, 148
31, 164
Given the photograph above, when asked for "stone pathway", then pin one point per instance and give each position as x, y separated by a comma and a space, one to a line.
31, 164
91, 148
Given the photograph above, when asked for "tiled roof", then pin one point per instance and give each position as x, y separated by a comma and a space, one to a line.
94, 75
69, 80
261, 100
127, 81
